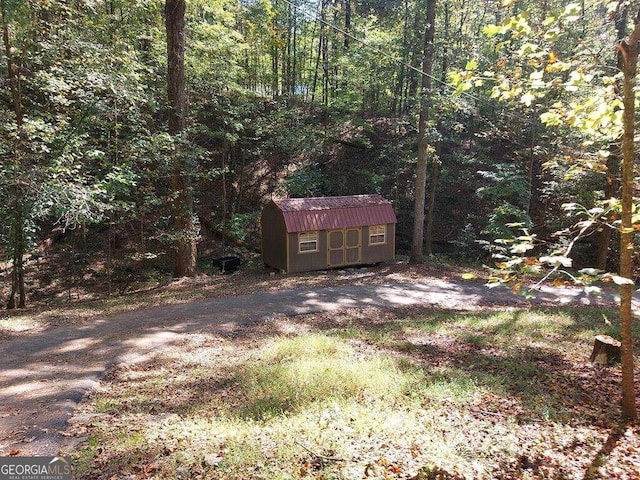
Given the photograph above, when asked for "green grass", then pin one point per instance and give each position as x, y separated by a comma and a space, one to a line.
547, 325
294, 373
461, 392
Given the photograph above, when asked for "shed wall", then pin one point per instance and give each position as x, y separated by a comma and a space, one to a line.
274, 237
379, 253
307, 261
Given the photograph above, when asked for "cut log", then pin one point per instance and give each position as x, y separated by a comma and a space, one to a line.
606, 350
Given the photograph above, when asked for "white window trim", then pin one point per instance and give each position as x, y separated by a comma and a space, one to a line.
377, 234
311, 238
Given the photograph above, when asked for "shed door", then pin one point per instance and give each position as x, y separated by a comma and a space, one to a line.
335, 248
352, 246
344, 247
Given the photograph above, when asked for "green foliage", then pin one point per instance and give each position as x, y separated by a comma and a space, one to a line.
281, 105
500, 219
544, 62
308, 181
508, 183
215, 45
243, 224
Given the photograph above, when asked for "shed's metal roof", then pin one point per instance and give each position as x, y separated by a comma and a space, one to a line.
326, 213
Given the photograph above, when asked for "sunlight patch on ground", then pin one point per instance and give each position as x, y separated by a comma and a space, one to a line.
16, 324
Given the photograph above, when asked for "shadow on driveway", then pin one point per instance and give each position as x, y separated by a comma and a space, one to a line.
45, 375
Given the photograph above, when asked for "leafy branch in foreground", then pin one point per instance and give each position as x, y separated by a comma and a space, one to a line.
516, 263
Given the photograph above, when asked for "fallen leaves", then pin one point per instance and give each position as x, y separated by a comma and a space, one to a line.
535, 408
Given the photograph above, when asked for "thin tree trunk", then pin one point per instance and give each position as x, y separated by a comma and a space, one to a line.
325, 68
612, 184
275, 57
18, 245
415, 80
275, 60
294, 54
532, 162
307, 73
421, 167
629, 52
347, 23
431, 206
397, 102
183, 220
241, 181
317, 67
611, 188
325, 60
435, 162
286, 58
225, 154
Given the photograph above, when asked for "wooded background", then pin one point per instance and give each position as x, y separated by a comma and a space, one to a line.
515, 104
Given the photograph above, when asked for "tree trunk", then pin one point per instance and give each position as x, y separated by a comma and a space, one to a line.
286, 57
325, 59
431, 206
275, 55
294, 55
415, 80
347, 23
612, 183
421, 167
17, 241
435, 161
398, 100
611, 188
18, 248
275, 60
317, 66
629, 52
183, 219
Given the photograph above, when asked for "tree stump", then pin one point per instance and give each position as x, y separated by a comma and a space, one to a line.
606, 350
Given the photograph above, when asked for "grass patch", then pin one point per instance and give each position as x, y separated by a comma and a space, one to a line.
482, 396
294, 373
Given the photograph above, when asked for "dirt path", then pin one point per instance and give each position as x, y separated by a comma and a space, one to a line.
45, 375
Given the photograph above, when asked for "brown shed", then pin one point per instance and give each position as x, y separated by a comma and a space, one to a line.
303, 234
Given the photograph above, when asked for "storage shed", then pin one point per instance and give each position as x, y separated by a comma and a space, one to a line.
304, 234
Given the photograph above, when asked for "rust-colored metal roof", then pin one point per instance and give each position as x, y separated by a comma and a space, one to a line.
326, 213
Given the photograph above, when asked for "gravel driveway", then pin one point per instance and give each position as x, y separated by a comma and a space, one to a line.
45, 375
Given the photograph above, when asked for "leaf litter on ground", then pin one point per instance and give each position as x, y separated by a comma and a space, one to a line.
481, 399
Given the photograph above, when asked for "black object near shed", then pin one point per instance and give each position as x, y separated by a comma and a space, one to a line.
304, 234
227, 264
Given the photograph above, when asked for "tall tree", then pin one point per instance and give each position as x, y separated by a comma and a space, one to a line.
417, 246
347, 23
629, 52
612, 184
17, 240
185, 241
435, 160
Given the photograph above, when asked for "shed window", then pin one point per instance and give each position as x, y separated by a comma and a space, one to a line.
308, 242
377, 234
